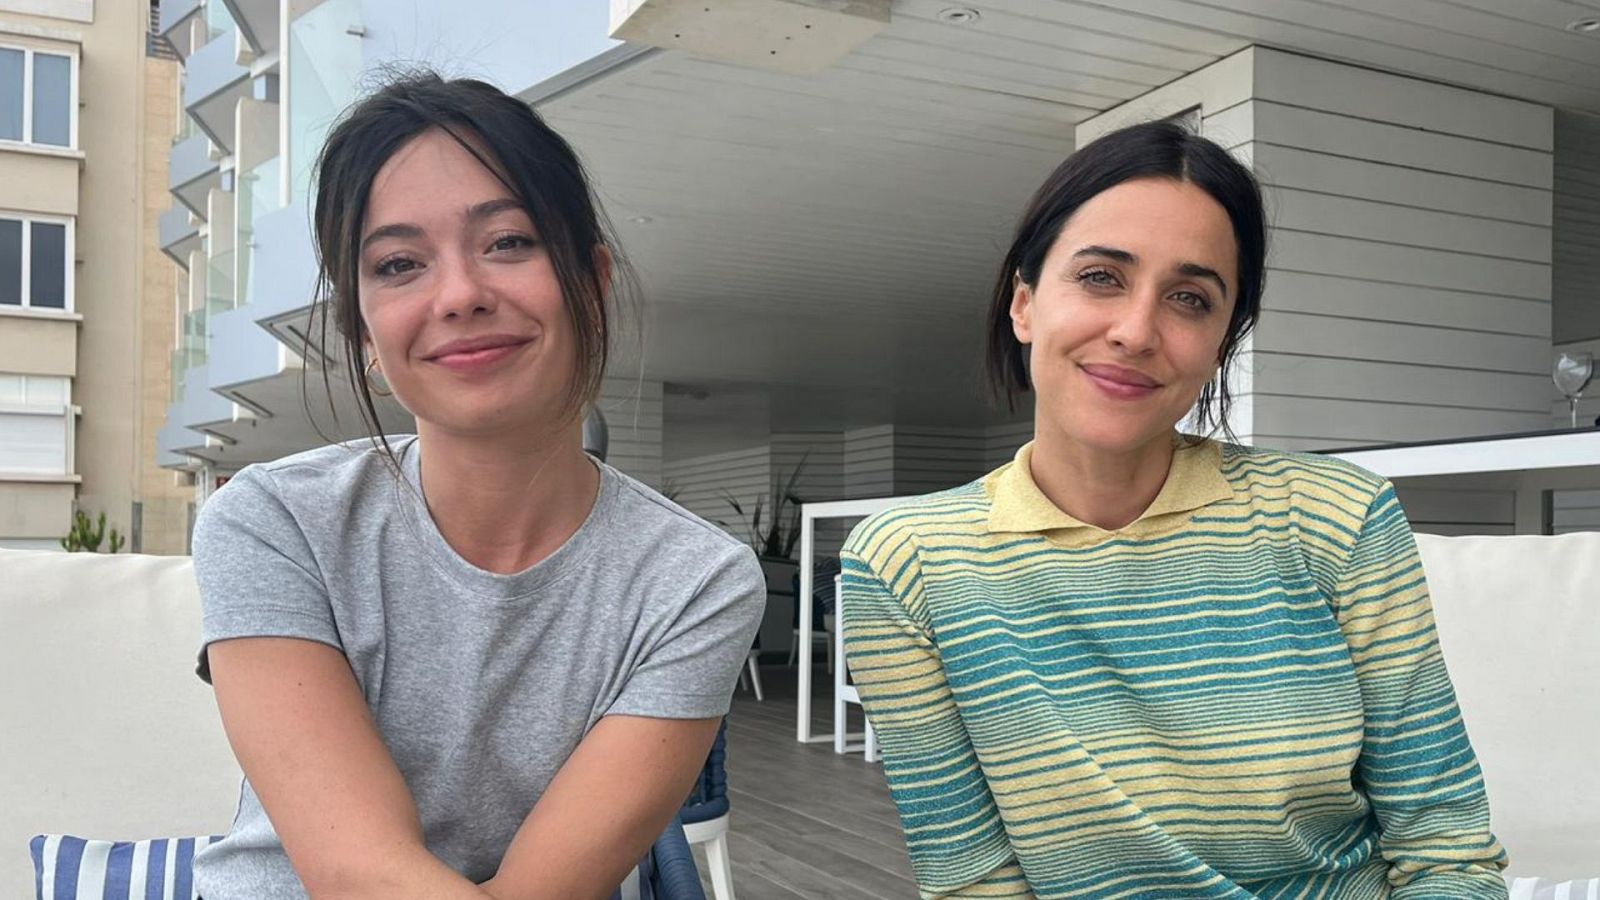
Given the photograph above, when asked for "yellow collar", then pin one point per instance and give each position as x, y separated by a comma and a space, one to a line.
1017, 504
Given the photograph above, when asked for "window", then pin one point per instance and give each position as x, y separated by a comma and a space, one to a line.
35, 424
36, 97
35, 263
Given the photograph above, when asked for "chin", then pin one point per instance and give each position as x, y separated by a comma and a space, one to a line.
1111, 433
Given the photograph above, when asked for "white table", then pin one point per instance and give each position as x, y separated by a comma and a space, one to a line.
1530, 465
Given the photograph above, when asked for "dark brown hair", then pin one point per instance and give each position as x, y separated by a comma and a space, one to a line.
1162, 149
538, 167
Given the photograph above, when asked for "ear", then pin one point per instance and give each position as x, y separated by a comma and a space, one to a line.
1021, 309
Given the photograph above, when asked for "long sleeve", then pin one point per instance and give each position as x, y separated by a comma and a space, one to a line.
957, 842
1416, 765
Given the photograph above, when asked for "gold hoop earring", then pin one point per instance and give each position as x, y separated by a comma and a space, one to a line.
372, 385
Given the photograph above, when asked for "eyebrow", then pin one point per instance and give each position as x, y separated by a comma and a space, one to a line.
1194, 270
475, 213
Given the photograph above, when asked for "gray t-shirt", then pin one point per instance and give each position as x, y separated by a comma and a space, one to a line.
481, 684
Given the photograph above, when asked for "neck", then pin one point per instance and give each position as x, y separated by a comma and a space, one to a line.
1106, 489
505, 503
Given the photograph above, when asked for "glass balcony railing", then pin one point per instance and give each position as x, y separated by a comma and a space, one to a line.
191, 350
324, 61
180, 372
218, 20
219, 280
257, 196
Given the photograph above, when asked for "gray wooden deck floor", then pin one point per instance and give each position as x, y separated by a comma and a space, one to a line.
805, 822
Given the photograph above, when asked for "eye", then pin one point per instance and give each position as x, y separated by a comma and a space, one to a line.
1101, 278
507, 242
394, 265
1192, 300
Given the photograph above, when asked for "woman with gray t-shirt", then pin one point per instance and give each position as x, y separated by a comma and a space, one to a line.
474, 662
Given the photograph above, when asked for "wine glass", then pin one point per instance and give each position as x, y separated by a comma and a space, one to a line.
1572, 373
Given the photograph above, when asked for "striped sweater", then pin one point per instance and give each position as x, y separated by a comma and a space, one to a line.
1238, 695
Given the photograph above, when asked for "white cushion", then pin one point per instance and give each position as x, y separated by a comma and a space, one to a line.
104, 728
1519, 620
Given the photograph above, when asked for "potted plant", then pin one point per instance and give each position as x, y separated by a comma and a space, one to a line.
773, 531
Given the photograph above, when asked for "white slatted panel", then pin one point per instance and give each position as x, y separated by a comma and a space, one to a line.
1577, 228
821, 479
1435, 511
703, 484
1003, 441
869, 462
633, 413
1410, 281
1576, 511
933, 459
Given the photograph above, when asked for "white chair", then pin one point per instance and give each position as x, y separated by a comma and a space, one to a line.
1519, 621
104, 729
823, 637
750, 675
705, 816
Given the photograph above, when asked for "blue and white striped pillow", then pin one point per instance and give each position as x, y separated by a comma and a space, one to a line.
1542, 889
71, 868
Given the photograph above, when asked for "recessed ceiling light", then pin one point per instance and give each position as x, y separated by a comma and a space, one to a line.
959, 15
1585, 26
641, 220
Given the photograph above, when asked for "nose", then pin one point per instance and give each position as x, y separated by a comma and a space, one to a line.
462, 292
1134, 329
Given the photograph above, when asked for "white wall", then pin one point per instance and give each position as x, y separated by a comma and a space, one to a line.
633, 414
1001, 443
869, 462
934, 459
702, 485
1409, 281
1409, 286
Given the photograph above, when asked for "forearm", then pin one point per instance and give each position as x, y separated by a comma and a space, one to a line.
591, 827
411, 873
1417, 766
1469, 881
1005, 883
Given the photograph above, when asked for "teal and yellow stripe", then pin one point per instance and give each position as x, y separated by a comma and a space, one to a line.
1238, 695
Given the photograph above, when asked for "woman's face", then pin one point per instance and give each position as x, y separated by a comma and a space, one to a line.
1127, 321
459, 297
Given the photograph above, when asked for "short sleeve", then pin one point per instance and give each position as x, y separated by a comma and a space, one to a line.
257, 573
690, 670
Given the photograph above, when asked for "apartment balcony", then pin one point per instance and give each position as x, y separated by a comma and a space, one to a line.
214, 82
175, 25
175, 443
192, 173
179, 235
257, 21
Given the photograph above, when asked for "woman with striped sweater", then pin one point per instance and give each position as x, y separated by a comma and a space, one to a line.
1133, 663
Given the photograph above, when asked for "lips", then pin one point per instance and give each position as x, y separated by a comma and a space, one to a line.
466, 347
1118, 382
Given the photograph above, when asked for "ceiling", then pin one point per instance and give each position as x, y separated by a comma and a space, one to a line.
822, 246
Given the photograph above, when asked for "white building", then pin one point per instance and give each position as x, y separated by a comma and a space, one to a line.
816, 206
